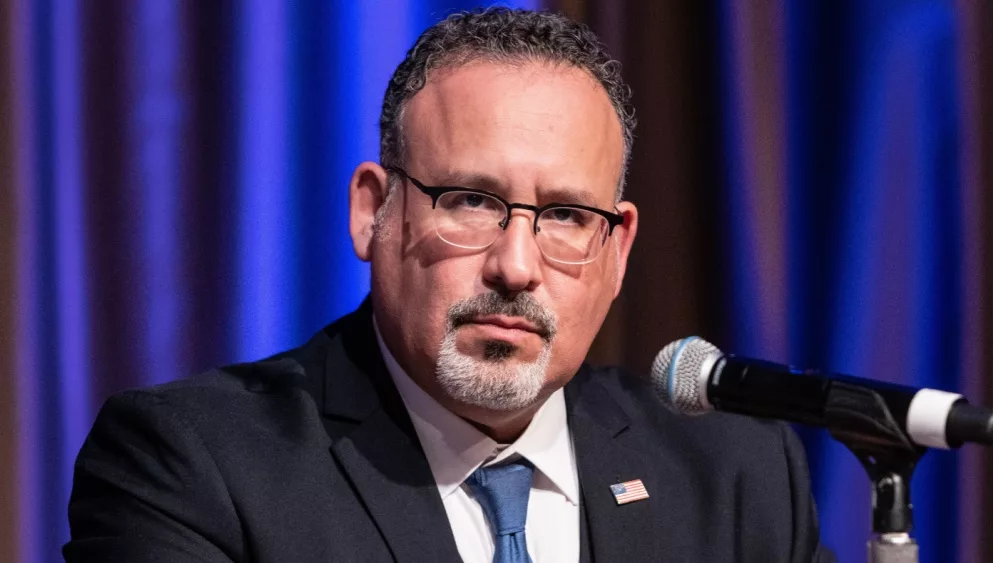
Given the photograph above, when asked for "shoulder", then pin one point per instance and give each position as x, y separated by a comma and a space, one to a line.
759, 463
713, 438
178, 463
232, 402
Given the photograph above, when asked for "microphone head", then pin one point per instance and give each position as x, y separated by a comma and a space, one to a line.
680, 374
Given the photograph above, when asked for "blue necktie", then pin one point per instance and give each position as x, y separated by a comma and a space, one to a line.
502, 491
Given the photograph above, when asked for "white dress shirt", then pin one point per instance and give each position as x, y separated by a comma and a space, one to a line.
454, 449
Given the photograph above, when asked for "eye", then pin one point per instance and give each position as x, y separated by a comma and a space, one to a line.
470, 203
465, 201
471, 200
566, 215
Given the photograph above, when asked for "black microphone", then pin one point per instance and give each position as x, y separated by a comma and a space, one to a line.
692, 376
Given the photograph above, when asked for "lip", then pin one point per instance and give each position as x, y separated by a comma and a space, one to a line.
512, 323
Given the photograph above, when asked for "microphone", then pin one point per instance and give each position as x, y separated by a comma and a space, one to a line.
692, 376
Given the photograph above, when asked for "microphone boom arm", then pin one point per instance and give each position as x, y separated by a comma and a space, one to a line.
860, 419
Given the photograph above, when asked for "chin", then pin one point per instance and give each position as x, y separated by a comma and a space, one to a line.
495, 379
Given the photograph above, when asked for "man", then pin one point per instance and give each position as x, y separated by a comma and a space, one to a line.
451, 417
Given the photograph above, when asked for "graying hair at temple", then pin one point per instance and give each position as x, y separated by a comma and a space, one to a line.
502, 35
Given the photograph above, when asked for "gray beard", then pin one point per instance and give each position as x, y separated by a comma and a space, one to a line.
494, 382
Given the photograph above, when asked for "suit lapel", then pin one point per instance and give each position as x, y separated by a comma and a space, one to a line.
586, 546
392, 479
374, 443
609, 450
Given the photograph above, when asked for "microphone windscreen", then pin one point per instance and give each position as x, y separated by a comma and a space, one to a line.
680, 374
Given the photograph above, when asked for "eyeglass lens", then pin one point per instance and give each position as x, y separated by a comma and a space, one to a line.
475, 220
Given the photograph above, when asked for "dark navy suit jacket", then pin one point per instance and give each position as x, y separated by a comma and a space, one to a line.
311, 456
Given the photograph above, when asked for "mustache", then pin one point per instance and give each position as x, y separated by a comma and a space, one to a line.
518, 305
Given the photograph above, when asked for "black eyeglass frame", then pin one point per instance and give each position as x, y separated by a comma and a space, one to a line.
435, 193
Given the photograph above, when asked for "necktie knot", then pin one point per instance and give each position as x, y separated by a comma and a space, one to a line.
502, 491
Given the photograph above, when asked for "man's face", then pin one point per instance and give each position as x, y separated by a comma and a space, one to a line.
532, 133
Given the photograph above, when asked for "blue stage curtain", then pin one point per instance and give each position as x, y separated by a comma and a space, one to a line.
849, 223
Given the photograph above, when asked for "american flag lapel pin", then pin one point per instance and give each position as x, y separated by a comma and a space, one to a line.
629, 491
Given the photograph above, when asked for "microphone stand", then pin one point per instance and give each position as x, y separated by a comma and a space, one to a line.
860, 419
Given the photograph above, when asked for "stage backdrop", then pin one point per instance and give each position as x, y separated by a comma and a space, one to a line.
813, 179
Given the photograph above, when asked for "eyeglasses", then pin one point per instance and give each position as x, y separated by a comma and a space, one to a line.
475, 219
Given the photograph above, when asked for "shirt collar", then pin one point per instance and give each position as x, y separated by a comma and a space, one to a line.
454, 448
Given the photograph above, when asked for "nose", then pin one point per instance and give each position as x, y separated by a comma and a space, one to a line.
514, 262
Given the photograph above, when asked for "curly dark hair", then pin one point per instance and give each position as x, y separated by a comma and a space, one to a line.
501, 35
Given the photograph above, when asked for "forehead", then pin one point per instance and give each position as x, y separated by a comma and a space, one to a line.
531, 126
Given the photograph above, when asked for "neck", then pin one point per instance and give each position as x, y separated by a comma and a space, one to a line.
503, 428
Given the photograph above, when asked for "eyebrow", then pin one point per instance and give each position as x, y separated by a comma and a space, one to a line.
489, 183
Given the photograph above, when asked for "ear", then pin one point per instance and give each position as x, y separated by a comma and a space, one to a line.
624, 236
368, 191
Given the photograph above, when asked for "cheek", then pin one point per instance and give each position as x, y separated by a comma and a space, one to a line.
590, 294
582, 304
581, 323
427, 291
